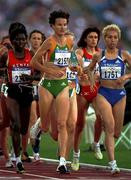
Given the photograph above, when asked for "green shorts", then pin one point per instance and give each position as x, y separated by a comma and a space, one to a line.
54, 86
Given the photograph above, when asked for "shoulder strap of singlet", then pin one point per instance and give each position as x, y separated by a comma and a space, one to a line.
10, 56
10, 52
119, 52
53, 44
52, 47
86, 54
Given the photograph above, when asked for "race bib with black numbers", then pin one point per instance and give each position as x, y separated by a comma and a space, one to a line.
17, 72
62, 58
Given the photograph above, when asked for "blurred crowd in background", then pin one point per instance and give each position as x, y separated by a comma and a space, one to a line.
83, 13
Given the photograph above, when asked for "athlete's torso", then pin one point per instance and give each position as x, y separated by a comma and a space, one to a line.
16, 67
59, 56
111, 69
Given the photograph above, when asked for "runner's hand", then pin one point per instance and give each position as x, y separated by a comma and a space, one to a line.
121, 80
26, 78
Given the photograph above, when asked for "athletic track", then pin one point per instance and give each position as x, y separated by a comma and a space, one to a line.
46, 169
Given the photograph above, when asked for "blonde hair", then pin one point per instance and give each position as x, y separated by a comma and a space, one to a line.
111, 27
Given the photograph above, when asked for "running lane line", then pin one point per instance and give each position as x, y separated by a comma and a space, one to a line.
27, 174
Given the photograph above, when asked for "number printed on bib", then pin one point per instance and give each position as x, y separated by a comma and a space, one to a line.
4, 89
70, 74
17, 72
62, 58
110, 73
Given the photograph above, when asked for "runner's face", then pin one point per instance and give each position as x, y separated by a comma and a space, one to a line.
60, 26
19, 41
36, 40
92, 39
111, 39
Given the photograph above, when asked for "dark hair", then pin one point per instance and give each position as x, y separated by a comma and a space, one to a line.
81, 42
37, 31
15, 29
58, 14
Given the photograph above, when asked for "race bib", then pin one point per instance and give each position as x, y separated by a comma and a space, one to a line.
35, 90
62, 58
70, 74
110, 73
17, 72
4, 89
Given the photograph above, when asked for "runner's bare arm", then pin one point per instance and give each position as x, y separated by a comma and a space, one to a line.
127, 57
37, 58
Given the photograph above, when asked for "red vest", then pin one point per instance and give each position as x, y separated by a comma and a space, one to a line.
16, 66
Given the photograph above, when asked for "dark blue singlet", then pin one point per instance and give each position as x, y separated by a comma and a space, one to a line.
111, 70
